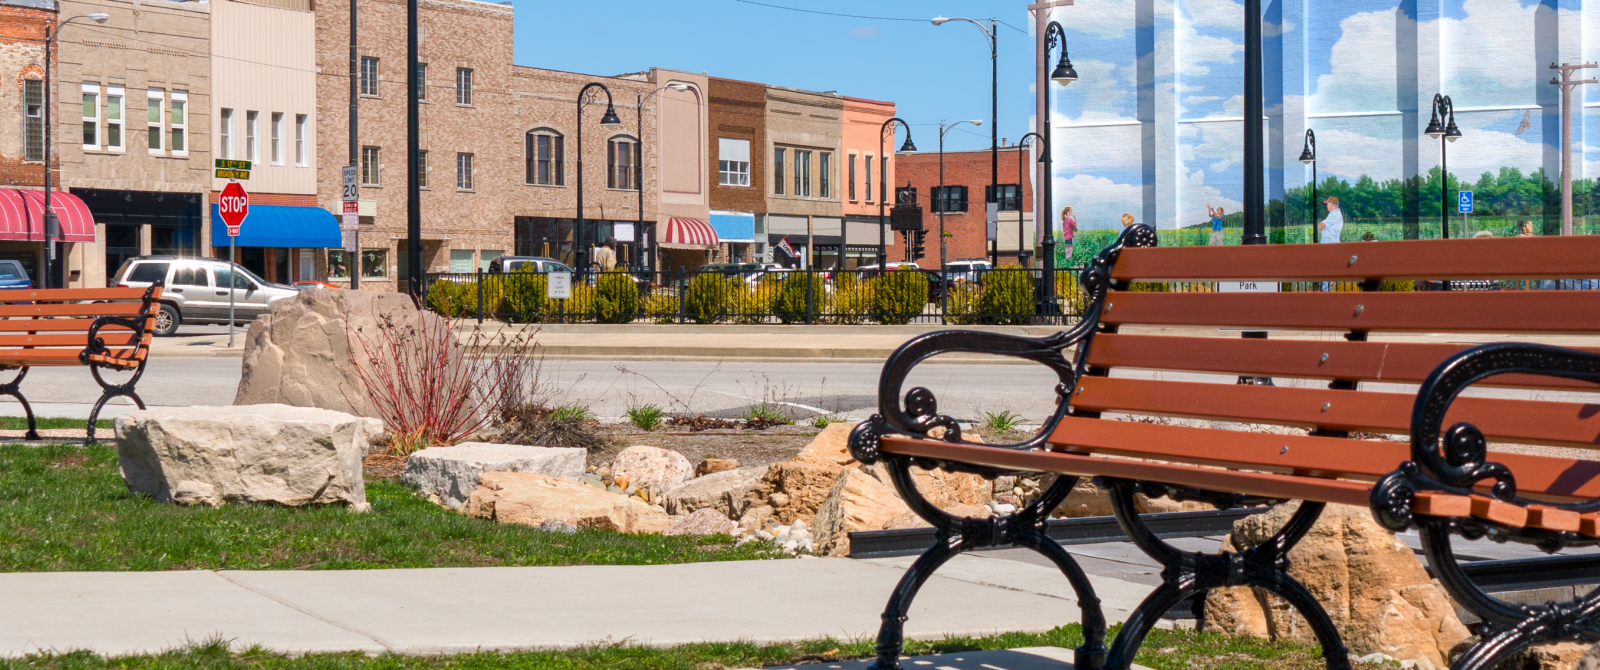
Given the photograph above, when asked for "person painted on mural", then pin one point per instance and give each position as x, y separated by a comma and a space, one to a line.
606, 255
1525, 228
1069, 230
1333, 225
1127, 220
1216, 224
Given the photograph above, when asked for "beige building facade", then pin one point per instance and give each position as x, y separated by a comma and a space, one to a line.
804, 133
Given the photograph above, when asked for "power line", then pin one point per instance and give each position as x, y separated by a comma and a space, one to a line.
848, 16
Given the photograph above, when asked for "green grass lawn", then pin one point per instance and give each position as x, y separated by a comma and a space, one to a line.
21, 423
66, 508
1163, 650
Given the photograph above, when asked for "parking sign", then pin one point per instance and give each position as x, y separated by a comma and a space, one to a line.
1466, 202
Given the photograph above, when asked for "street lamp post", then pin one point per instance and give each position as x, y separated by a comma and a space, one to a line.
1063, 74
1308, 155
1021, 174
1443, 111
993, 34
580, 250
944, 255
638, 164
51, 227
883, 186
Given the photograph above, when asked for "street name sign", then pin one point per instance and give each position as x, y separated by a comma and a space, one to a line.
232, 169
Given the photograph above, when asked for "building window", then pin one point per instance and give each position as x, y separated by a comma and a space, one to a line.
949, 199
777, 171
275, 138
422, 169
33, 119
866, 162
802, 173
621, 159
1009, 197
733, 162
463, 86
369, 166
91, 116
338, 264
114, 118
153, 102
250, 118
369, 76
463, 172
177, 118
225, 132
851, 173
422, 82
545, 151
301, 122
374, 263
825, 174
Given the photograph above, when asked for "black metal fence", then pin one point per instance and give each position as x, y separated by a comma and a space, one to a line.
1004, 296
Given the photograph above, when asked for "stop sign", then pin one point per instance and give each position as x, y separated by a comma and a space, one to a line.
234, 205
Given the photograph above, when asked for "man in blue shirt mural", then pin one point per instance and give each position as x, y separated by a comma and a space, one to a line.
1216, 224
1333, 225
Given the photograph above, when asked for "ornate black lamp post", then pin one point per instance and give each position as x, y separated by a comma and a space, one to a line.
992, 33
939, 202
1308, 155
1063, 74
883, 185
580, 248
54, 276
1444, 110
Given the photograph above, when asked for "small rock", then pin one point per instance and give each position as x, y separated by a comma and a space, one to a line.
715, 465
704, 521
620, 481
778, 500
629, 490
604, 471
790, 546
360, 508
805, 545
652, 466
1001, 508
613, 489
797, 525
556, 526
763, 535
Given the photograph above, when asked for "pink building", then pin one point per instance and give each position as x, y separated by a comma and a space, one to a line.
866, 163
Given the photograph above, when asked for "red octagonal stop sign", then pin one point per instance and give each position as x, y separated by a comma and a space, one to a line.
234, 205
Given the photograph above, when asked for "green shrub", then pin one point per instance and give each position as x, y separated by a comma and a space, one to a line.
617, 298
752, 301
1007, 296
710, 296
961, 304
661, 305
441, 298
1070, 295
646, 417
579, 308
1397, 286
901, 295
460, 298
522, 297
790, 303
853, 300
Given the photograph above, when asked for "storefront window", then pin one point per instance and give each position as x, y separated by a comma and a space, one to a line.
374, 263
338, 264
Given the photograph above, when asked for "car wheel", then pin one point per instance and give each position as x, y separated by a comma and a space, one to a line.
167, 321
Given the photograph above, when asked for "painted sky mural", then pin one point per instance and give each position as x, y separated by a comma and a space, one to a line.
1153, 126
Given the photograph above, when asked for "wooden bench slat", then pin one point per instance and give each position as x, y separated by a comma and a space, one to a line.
1500, 419
1398, 362
1557, 478
1505, 258
1250, 483
79, 340
1519, 312
56, 325
95, 309
74, 294
58, 357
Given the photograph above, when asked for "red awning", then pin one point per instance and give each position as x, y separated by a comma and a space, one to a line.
686, 233
22, 216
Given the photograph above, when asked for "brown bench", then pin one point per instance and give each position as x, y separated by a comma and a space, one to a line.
104, 329
1445, 482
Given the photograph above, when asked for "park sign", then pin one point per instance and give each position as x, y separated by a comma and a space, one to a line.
1465, 206
232, 169
234, 206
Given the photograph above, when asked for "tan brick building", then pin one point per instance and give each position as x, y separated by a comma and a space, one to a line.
804, 132
966, 175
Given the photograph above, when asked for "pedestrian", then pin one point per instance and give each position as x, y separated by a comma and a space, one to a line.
1482, 234
1525, 228
606, 255
1333, 225
1216, 224
1069, 230
1127, 220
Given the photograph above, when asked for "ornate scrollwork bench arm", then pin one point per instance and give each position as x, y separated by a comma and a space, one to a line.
96, 350
1458, 464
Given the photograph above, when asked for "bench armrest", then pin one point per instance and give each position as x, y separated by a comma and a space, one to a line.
97, 345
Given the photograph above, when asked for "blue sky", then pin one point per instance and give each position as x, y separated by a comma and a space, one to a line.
931, 73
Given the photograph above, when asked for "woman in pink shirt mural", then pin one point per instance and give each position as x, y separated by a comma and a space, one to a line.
1069, 230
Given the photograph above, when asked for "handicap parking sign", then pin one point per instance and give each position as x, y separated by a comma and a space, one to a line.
1466, 202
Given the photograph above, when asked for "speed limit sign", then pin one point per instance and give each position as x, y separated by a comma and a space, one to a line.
351, 192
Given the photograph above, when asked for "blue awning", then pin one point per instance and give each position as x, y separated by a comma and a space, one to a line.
280, 226
734, 226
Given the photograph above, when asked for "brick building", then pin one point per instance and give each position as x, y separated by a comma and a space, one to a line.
738, 163
867, 172
23, 27
804, 135
966, 178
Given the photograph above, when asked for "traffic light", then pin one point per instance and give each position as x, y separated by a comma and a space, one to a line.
917, 250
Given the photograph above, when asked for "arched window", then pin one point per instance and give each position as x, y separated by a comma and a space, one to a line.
622, 163
545, 152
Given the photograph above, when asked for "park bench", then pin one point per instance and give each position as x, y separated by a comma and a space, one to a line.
104, 329
1331, 380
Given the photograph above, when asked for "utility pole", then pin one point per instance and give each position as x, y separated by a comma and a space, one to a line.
1041, 112
413, 178
354, 260
1567, 84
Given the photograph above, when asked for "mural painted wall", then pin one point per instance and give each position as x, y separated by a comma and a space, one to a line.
1153, 126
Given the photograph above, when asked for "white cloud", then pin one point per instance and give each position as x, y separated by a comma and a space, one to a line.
1214, 14
1194, 50
1485, 151
1220, 145
1349, 155
1102, 18
1102, 91
1493, 54
1193, 196
1117, 148
1363, 74
1097, 202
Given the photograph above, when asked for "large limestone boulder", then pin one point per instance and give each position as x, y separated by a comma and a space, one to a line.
256, 453
1591, 659
651, 467
1371, 584
298, 353
1557, 656
705, 521
831, 446
452, 473
797, 489
531, 499
864, 499
729, 492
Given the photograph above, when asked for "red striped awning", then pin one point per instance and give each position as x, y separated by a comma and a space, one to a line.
681, 232
22, 215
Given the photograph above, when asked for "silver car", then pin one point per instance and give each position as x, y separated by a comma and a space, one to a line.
198, 290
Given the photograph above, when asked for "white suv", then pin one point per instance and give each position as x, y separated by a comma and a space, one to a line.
197, 290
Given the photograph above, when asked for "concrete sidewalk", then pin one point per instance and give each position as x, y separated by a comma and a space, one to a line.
452, 610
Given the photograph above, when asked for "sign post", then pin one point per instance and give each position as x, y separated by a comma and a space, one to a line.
234, 205
352, 223
558, 286
1465, 207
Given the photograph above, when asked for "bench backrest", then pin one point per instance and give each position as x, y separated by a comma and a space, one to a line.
50, 324
1343, 361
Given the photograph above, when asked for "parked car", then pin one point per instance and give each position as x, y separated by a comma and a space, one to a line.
527, 264
968, 270
198, 290
307, 284
13, 276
